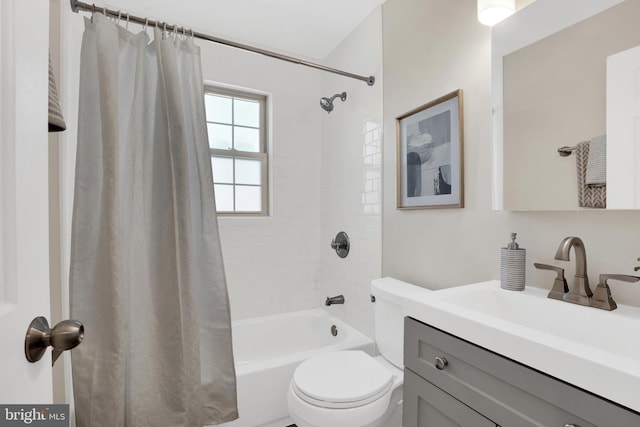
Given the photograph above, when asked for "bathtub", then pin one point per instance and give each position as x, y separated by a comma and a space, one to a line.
267, 351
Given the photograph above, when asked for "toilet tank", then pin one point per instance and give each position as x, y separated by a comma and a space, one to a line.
389, 320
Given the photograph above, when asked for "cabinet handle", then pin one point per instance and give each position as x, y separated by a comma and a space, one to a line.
571, 425
442, 363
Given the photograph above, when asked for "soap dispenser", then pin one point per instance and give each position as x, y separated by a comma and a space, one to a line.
512, 266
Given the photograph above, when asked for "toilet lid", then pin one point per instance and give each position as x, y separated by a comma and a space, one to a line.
342, 379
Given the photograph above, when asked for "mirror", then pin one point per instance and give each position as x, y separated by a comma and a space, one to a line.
549, 64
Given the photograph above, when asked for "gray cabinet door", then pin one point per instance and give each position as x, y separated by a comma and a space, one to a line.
510, 394
425, 405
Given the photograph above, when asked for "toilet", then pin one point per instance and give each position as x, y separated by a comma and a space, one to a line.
352, 388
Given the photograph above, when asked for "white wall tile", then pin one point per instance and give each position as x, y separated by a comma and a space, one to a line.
271, 263
351, 171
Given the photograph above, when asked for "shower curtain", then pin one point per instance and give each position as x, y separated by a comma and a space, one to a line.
147, 277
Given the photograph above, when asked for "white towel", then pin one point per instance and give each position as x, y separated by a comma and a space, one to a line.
597, 162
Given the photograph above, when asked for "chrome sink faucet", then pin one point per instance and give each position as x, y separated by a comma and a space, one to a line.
580, 292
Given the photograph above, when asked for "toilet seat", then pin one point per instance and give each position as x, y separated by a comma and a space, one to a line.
341, 380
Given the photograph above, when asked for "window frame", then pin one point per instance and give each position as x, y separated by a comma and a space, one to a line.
262, 155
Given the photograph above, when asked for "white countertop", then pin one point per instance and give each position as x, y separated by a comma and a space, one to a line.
596, 350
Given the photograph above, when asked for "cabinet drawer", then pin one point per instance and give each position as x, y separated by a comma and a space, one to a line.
505, 391
425, 405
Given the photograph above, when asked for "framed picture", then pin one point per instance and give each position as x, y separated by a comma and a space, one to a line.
429, 155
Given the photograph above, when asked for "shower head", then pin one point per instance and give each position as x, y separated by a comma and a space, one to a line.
327, 103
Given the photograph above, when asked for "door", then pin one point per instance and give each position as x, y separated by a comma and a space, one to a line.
24, 248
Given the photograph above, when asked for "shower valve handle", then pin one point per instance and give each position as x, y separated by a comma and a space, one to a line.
337, 245
341, 244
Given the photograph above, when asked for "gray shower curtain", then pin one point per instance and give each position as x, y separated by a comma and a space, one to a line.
147, 278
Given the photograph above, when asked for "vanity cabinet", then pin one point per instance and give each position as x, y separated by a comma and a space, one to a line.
477, 387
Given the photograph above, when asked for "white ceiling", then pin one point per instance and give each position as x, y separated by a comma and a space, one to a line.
308, 28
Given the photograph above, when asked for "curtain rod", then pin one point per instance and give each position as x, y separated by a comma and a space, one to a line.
77, 6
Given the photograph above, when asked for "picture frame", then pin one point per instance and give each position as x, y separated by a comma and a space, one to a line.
429, 155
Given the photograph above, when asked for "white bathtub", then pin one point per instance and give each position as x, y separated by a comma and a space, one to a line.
268, 349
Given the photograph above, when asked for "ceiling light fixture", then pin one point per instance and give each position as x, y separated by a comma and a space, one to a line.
490, 12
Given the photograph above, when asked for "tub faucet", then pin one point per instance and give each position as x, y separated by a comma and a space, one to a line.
334, 300
580, 292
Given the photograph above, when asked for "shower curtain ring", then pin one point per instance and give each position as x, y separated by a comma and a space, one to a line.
127, 26
119, 16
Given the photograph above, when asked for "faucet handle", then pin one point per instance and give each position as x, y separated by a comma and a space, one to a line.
560, 286
602, 297
621, 277
558, 270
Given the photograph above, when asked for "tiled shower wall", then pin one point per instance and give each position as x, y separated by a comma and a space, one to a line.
351, 175
325, 177
271, 262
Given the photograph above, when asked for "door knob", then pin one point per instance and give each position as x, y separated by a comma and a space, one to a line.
63, 336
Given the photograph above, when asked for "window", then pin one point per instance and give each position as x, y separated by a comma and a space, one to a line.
236, 123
